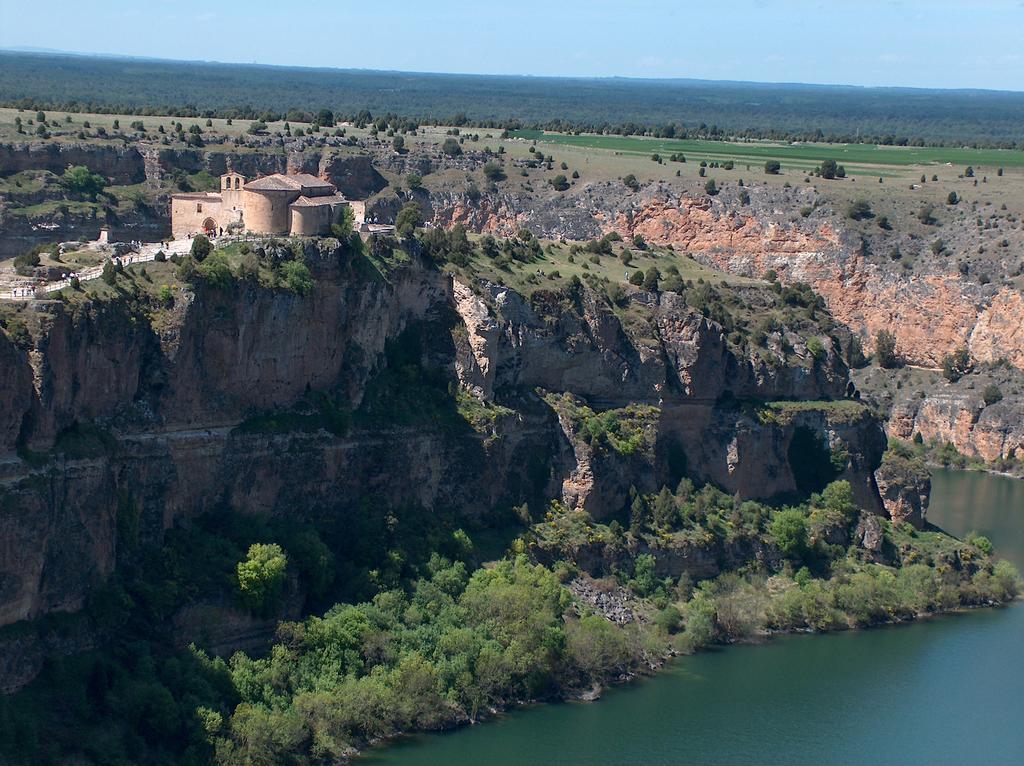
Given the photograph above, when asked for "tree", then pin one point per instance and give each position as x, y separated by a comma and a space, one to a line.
201, 247
260, 578
651, 279
414, 181
772, 167
325, 117
451, 147
398, 144
631, 183
25, 263
956, 364
952, 199
789, 528
828, 169
345, 227
885, 350
636, 278
258, 127
560, 182
109, 274
710, 187
838, 498
78, 181
409, 218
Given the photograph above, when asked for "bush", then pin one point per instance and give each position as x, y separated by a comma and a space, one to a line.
885, 350
260, 578
451, 147
631, 183
78, 181
216, 271
201, 247
956, 365
772, 167
710, 187
297, 277
493, 172
651, 279
789, 529
991, 395
858, 210
560, 183
409, 218
25, 263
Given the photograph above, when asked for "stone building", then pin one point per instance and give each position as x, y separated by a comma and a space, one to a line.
284, 204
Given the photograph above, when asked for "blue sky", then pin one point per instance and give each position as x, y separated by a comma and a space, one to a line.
940, 43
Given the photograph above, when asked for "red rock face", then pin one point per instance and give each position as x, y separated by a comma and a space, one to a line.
990, 433
929, 315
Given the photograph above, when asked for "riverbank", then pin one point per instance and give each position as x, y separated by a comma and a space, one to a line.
802, 699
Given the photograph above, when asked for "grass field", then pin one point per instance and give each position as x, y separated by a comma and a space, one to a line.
802, 155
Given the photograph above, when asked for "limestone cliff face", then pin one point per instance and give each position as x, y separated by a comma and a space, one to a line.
989, 432
681, 363
131, 427
674, 354
123, 165
905, 485
931, 312
15, 391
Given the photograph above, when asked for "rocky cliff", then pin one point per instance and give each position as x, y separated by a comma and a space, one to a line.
118, 420
931, 309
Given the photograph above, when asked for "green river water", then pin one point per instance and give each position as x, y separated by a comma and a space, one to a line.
944, 691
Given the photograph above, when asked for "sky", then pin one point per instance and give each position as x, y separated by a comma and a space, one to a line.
937, 44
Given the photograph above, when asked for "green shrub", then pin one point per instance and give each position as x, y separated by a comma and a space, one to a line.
201, 247
297, 277
789, 530
261, 577
216, 271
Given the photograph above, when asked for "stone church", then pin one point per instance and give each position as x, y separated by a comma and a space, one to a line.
297, 204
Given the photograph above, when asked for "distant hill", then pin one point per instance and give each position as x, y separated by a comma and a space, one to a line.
815, 112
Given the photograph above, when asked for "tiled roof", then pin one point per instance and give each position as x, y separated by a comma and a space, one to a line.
310, 181
288, 182
198, 195
331, 199
276, 182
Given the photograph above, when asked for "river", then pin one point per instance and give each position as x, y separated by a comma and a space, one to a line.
943, 691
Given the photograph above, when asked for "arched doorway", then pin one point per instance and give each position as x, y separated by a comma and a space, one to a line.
209, 227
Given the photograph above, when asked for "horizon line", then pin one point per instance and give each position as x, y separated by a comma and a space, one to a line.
40, 51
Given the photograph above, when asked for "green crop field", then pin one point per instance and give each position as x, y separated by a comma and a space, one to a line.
799, 154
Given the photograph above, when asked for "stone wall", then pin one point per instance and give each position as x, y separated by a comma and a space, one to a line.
188, 212
267, 212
